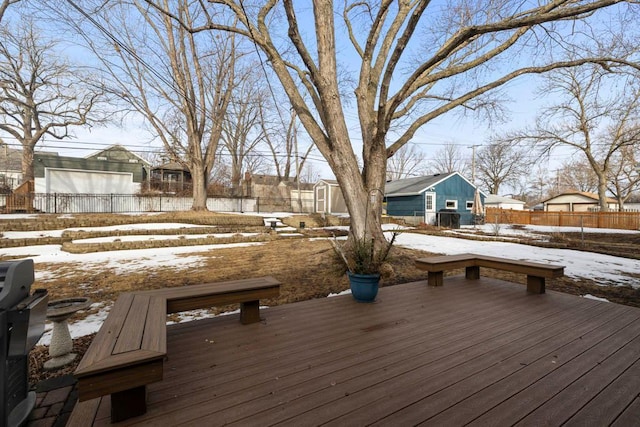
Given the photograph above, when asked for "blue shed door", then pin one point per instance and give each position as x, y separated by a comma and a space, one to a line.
429, 208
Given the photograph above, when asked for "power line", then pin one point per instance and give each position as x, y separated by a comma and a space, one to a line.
172, 83
160, 151
98, 146
264, 69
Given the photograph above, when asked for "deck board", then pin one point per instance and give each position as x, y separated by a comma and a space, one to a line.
477, 351
610, 401
630, 416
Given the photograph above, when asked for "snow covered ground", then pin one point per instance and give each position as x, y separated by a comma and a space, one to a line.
601, 268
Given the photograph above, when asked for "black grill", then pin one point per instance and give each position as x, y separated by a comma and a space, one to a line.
22, 317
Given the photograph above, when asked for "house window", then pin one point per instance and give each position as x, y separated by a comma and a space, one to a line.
469, 205
451, 204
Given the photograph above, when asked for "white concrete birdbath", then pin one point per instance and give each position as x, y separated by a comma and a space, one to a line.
58, 311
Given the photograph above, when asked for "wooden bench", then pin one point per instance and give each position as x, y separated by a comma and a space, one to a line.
129, 350
536, 272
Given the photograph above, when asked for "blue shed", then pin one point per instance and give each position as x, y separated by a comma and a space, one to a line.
419, 199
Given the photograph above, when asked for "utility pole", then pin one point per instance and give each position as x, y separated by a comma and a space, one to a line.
473, 162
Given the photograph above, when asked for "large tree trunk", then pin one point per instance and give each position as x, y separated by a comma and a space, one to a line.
27, 163
363, 191
199, 180
602, 192
236, 179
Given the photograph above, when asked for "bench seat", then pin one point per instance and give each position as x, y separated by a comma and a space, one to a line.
536, 272
129, 350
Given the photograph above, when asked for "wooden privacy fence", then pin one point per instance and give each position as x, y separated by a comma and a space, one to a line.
21, 200
618, 220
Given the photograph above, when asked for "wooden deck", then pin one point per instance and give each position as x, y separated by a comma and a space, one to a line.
480, 352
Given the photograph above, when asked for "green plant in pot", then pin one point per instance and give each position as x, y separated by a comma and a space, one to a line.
364, 264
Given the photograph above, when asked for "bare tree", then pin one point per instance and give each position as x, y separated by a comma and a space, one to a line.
282, 141
409, 161
180, 82
309, 174
624, 177
40, 93
536, 186
396, 93
242, 130
449, 158
597, 115
576, 175
220, 175
500, 163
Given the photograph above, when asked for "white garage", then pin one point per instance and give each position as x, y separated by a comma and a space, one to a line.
112, 171
86, 182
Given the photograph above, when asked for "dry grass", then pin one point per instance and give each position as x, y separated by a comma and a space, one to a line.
56, 222
307, 269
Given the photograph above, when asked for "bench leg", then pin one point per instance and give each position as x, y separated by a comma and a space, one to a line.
472, 272
249, 312
535, 285
128, 403
435, 278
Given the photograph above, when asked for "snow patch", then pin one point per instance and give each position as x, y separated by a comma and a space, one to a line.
589, 296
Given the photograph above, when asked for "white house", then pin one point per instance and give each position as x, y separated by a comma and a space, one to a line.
10, 167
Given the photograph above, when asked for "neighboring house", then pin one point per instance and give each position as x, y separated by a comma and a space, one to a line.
271, 186
277, 194
495, 201
171, 177
114, 170
419, 199
632, 206
328, 197
10, 168
577, 201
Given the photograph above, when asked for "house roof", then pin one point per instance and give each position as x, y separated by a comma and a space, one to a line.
328, 181
418, 185
10, 159
171, 166
585, 194
44, 161
494, 198
114, 149
263, 179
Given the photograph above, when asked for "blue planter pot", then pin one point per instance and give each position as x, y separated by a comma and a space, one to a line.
364, 287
